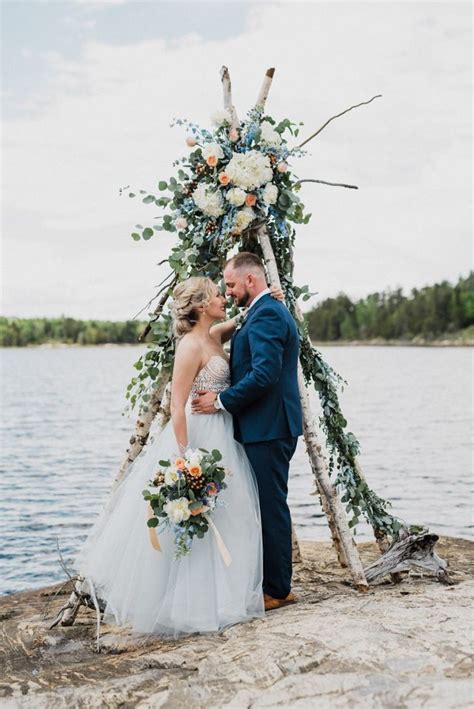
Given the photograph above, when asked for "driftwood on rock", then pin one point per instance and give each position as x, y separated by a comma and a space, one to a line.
80, 596
415, 551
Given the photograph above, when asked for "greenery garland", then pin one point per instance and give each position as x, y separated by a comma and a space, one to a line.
232, 180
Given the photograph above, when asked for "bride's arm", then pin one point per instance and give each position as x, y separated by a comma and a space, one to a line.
187, 363
223, 331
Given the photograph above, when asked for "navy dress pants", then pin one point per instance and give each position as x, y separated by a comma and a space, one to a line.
271, 461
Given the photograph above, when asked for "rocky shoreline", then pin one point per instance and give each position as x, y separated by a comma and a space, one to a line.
405, 645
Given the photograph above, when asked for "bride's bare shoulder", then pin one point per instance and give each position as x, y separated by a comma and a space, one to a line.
188, 346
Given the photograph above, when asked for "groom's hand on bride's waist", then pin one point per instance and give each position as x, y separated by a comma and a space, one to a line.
204, 403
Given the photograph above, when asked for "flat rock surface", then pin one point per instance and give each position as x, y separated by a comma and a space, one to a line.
405, 645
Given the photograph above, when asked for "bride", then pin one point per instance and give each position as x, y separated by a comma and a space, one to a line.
150, 590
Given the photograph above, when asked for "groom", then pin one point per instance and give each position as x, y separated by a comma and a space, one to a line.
264, 401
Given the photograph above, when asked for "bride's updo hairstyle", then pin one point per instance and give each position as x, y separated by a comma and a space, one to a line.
187, 297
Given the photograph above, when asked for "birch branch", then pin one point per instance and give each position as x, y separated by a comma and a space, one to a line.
332, 184
265, 88
317, 460
158, 309
363, 103
227, 89
142, 428
162, 286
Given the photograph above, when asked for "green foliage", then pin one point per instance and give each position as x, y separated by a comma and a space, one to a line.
19, 332
203, 247
431, 312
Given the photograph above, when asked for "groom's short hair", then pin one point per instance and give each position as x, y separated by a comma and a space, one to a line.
246, 260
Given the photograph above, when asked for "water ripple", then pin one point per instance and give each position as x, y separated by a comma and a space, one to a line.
63, 448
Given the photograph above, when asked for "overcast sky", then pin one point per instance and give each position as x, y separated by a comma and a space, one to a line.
90, 88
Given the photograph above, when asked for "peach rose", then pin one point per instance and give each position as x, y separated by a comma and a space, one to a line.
233, 134
195, 470
224, 179
180, 463
212, 160
282, 167
190, 141
198, 511
250, 200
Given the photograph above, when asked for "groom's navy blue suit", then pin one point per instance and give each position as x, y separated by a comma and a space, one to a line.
264, 401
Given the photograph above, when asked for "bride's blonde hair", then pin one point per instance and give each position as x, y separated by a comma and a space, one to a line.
187, 297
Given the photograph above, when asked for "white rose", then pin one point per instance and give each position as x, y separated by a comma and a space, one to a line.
177, 510
236, 196
268, 135
207, 201
212, 150
171, 476
244, 218
196, 458
221, 118
270, 194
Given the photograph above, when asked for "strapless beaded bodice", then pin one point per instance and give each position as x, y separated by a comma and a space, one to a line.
214, 376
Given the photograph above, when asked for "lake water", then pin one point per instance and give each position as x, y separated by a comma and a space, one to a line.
63, 438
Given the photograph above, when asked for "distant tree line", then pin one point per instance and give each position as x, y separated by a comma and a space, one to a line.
16, 332
429, 312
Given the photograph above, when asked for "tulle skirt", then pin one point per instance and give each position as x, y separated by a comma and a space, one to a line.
150, 590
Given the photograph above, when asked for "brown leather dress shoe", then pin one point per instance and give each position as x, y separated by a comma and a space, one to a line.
272, 604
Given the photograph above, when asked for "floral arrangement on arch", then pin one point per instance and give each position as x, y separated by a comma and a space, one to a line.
233, 177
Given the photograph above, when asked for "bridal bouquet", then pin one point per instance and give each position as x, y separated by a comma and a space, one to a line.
184, 493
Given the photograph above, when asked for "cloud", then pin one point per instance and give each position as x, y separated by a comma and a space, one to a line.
103, 122
100, 2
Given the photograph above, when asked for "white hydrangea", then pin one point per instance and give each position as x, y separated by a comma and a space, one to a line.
244, 218
212, 150
249, 170
269, 135
236, 196
270, 194
221, 117
208, 201
178, 510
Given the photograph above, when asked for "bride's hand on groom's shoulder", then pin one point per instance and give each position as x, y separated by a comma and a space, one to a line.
277, 293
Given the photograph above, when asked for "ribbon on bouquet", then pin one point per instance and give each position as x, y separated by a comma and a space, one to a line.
152, 533
226, 557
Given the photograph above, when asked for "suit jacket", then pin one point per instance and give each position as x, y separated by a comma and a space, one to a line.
263, 397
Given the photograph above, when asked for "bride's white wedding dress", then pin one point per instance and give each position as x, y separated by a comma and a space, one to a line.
152, 591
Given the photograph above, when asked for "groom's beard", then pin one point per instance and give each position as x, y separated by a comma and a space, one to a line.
243, 301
